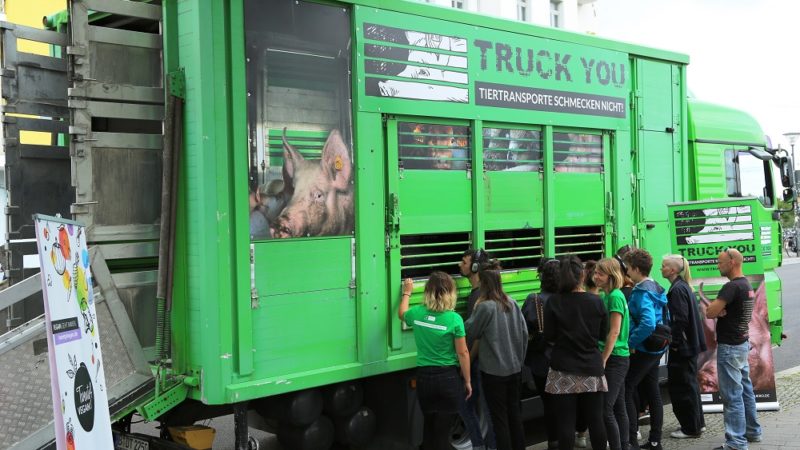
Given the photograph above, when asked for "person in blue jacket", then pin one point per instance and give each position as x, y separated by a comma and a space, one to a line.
647, 305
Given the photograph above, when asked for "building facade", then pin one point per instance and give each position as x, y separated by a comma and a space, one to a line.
573, 15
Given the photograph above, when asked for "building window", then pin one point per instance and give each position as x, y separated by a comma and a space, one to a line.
556, 19
457, 4
522, 10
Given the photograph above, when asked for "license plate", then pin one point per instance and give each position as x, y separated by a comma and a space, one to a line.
131, 443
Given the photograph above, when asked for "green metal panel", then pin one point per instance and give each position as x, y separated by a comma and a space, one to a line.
709, 170
210, 264
656, 174
514, 200
621, 182
288, 343
654, 94
774, 292
374, 306
710, 122
276, 263
579, 199
421, 215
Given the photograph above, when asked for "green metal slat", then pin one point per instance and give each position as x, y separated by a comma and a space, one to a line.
436, 244
430, 255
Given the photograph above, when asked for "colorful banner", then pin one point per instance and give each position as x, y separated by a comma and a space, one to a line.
80, 400
762, 369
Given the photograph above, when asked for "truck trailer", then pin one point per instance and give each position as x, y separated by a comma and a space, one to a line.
256, 178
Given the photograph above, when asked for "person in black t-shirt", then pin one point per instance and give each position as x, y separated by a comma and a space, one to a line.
574, 322
732, 308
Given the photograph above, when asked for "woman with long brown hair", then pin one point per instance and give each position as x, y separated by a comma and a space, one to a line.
498, 325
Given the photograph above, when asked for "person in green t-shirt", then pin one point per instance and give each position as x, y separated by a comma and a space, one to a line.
441, 349
608, 277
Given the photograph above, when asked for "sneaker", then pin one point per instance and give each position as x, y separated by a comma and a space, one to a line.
581, 441
724, 447
753, 438
651, 446
679, 434
702, 429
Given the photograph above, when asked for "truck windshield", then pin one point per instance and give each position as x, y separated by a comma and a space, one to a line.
751, 178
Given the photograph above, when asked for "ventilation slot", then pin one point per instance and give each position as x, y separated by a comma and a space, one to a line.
516, 249
585, 242
421, 254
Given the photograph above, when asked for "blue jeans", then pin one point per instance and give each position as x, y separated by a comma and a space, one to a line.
468, 410
736, 390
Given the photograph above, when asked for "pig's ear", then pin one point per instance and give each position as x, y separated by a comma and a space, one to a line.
291, 159
336, 161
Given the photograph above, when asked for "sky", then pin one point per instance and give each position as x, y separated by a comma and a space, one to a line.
743, 53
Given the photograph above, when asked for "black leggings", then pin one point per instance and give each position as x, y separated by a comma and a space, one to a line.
615, 412
502, 398
550, 416
590, 405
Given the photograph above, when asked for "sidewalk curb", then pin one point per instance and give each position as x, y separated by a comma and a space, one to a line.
787, 372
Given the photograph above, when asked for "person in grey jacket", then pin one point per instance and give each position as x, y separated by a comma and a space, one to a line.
498, 336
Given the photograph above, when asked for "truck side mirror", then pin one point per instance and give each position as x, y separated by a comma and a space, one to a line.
788, 195
787, 171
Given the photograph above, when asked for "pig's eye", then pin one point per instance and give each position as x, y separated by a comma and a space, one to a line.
316, 196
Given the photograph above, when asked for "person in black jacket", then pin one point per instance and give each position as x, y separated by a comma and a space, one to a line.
688, 341
538, 357
575, 321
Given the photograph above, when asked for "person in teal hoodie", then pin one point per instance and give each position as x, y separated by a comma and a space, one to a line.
647, 306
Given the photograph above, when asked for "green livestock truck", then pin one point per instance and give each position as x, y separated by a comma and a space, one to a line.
256, 178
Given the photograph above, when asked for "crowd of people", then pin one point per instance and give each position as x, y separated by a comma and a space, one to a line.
591, 341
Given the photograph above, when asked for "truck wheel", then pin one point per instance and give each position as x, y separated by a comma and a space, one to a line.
459, 436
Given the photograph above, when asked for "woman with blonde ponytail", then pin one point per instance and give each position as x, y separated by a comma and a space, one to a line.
688, 341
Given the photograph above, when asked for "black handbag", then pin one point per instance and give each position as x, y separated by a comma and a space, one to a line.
661, 337
533, 312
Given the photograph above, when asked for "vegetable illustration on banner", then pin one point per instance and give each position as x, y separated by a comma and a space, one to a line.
80, 401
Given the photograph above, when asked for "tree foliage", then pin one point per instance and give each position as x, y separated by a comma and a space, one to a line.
788, 217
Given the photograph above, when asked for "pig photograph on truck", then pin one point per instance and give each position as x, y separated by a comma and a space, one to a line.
257, 177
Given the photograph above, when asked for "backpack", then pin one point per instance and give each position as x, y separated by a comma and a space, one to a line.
661, 337
533, 312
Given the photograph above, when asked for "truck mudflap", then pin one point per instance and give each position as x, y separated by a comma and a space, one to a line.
26, 408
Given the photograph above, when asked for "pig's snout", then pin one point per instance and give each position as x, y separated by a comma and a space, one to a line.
289, 225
